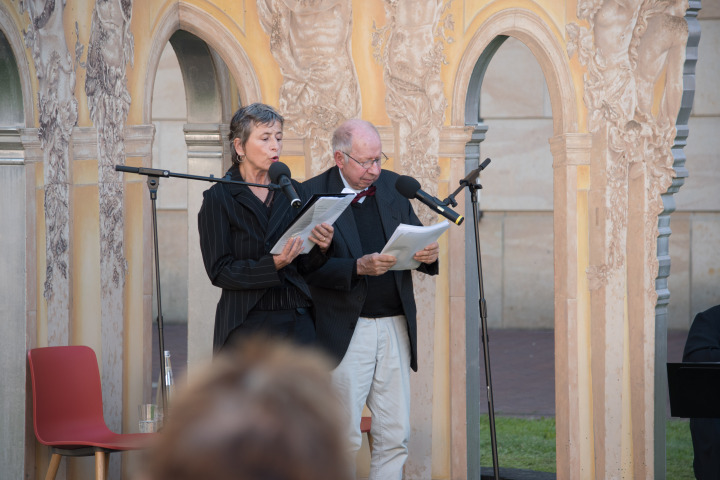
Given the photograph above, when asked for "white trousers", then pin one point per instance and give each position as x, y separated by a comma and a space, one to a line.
376, 371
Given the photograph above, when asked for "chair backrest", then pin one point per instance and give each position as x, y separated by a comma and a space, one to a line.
67, 394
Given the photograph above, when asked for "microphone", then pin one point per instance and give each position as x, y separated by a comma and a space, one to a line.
410, 188
153, 172
280, 174
470, 178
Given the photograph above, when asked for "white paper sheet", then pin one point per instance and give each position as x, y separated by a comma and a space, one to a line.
319, 209
407, 240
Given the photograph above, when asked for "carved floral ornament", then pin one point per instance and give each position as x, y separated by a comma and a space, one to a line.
57, 113
110, 50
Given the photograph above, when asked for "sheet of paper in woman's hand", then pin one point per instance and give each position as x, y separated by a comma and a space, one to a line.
319, 209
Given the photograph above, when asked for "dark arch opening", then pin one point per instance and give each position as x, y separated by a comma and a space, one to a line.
11, 97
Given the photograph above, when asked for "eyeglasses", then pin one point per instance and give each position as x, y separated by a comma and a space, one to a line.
367, 164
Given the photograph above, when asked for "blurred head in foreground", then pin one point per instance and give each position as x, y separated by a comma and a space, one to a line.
262, 411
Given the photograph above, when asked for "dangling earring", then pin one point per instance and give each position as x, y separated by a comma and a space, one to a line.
236, 145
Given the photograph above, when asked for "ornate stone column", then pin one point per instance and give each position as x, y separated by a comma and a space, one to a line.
13, 302
205, 157
453, 275
137, 290
473, 353
57, 116
629, 50
571, 157
110, 50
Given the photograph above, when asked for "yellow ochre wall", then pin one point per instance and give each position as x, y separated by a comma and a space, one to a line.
603, 428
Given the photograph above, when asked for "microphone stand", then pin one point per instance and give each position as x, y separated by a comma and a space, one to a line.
153, 183
470, 183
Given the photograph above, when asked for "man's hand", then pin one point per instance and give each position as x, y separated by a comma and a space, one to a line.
322, 236
292, 249
375, 264
428, 254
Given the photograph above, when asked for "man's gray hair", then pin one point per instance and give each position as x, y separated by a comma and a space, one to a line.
342, 137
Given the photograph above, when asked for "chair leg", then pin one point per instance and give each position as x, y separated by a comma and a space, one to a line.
102, 462
54, 465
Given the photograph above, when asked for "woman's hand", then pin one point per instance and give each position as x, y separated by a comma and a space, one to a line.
322, 235
292, 249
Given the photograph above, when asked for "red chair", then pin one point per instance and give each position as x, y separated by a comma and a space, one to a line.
365, 424
68, 409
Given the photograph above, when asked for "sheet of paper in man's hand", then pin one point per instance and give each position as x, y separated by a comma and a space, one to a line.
407, 240
320, 209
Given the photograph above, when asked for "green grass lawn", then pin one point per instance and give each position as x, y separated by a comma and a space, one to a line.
529, 444
678, 446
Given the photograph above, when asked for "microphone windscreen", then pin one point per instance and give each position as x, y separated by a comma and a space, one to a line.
276, 170
407, 186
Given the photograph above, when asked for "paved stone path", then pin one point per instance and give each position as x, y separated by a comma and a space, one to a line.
521, 363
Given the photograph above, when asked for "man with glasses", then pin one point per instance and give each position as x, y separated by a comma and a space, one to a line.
364, 312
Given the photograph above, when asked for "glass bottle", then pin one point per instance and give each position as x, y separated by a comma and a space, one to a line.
169, 382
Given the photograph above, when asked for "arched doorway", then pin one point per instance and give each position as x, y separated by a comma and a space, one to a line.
516, 229
570, 152
192, 102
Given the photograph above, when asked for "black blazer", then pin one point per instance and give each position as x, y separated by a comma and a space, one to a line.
703, 340
339, 296
236, 236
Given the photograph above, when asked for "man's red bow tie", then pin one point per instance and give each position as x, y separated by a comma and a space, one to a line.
368, 192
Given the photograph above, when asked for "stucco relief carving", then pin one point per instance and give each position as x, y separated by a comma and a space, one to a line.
310, 40
57, 109
629, 44
109, 51
411, 49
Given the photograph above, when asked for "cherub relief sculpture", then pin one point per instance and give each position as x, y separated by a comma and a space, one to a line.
310, 40
57, 112
412, 58
628, 45
662, 35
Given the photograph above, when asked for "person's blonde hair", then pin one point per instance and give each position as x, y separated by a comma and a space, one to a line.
262, 411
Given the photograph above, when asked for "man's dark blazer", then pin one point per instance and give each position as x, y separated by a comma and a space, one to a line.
236, 236
703, 345
338, 296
